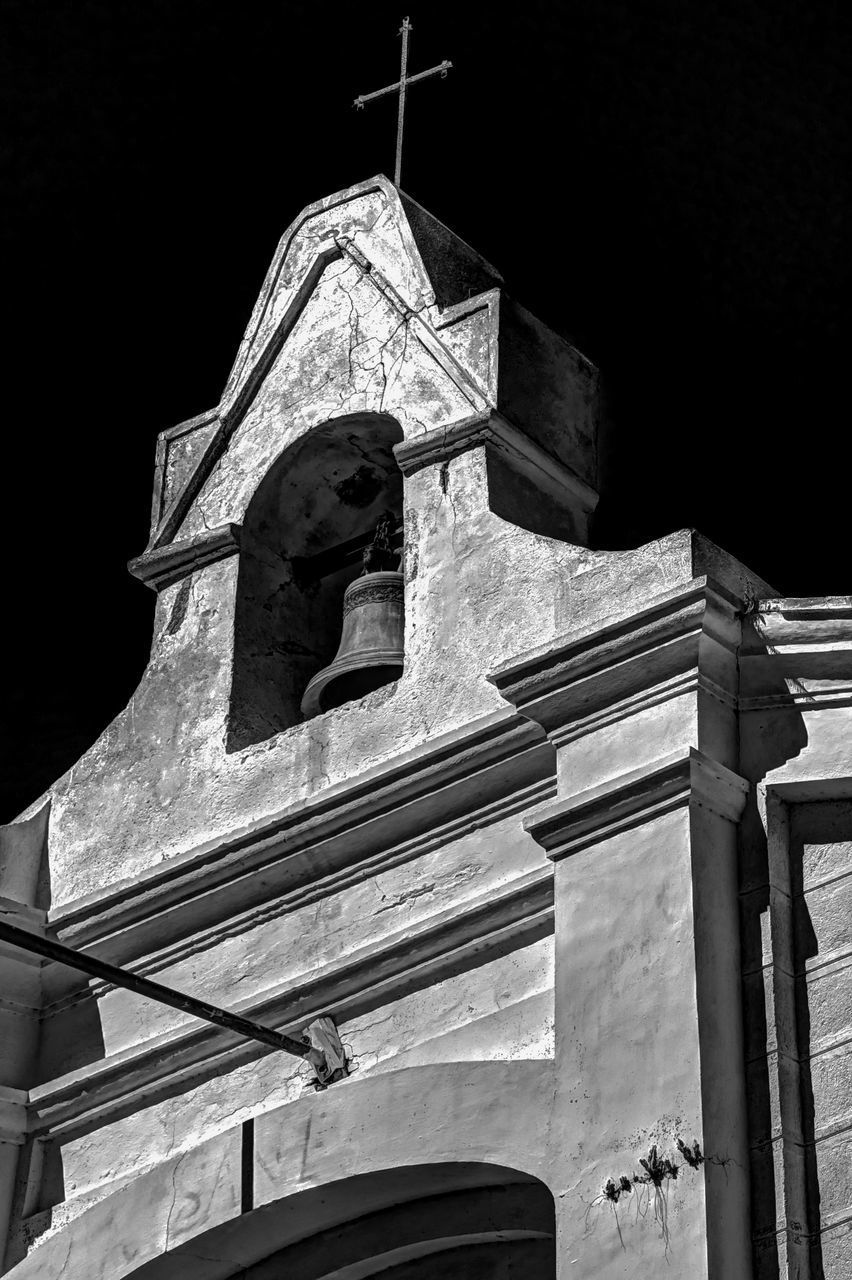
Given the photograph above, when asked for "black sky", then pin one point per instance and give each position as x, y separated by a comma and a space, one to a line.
666, 183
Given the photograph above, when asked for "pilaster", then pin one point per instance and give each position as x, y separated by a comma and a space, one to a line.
643, 835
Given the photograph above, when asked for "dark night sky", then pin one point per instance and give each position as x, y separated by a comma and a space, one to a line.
664, 182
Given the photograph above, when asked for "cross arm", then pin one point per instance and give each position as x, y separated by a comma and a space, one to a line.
441, 69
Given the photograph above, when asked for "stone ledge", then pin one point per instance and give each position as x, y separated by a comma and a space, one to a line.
494, 430
594, 669
685, 777
161, 568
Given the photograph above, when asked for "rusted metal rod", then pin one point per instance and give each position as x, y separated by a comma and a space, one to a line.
156, 991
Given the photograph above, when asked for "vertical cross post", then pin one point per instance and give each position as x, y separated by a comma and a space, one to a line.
400, 120
401, 86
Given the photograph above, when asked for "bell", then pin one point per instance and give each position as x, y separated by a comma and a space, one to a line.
371, 645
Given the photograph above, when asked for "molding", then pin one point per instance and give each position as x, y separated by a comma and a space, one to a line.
13, 1115
497, 432
799, 693
161, 568
665, 691
643, 654
797, 654
685, 777
340, 827
808, 607
441, 443
314, 891
458, 938
794, 625
805, 790
161, 460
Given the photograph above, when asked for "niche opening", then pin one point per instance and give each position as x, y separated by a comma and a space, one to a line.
302, 544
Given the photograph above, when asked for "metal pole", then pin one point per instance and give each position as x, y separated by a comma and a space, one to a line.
155, 991
406, 27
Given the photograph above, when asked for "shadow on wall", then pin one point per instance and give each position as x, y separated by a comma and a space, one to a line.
301, 546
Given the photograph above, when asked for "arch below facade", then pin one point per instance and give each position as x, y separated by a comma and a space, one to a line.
468, 1140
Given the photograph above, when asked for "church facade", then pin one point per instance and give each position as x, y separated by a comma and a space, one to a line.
555, 843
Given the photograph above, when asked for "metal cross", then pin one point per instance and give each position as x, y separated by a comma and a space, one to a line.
402, 84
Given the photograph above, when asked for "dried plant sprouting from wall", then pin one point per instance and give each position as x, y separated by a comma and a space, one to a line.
649, 1188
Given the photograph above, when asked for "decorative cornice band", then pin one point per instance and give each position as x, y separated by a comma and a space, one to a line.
341, 826
493, 429
159, 569
808, 607
685, 777
599, 668
799, 694
315, 891
613, 713
451, 941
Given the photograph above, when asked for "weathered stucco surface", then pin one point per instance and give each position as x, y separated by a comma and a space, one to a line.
572, 887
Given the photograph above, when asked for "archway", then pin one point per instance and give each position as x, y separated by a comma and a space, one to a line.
301, 546
453, 1220
462, 1221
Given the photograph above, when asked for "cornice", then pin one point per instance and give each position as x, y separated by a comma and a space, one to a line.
822, 623
797, 653
461, 937
809, 694
315, 890
162, 568
686, 777
690, 682
808, 607
497, 432
451, 778
628, 658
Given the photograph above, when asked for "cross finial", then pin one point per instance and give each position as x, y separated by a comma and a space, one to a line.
402, 84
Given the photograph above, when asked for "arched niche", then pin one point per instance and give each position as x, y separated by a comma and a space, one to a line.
302, 541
